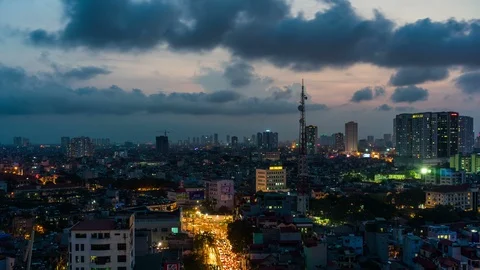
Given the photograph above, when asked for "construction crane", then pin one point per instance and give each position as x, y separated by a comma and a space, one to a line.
165, 132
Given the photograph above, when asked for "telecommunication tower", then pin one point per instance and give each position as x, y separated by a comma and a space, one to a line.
303, 181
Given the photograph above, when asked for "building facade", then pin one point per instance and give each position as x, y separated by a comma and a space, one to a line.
460, 196
428, 135
80, 147
351, 137
339, 142
271, 180
312, 135
161, 143
102, 244
466, 136
221, 193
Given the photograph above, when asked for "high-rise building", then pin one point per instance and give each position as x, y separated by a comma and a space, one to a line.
21, 142
269, 140
259, 140
466, 136
215, 139
326, 140
351, 137
228, 139
270, 180
234, 143
80, 147
339, 142
94, 244
162, 144
312, 135
388, 140
370, 140
427, 135
65, 144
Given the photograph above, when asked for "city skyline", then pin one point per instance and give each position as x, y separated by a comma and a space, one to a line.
62, 77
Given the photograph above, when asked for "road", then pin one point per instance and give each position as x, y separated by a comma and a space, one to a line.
221, 254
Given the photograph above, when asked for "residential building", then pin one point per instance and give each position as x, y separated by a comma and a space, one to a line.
351, 137
102, 244
271, 180
441, 232
269, 140
234, 143
354, 243
459, 196
65, 144
312, 135
161, 143
411, 248
470, 163
466, 136
429, 135
221, 193
80, 147
339, 142
444, 176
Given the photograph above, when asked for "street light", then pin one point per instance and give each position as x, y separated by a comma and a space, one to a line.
424, 171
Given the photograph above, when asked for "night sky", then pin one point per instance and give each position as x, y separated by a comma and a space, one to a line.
127, 69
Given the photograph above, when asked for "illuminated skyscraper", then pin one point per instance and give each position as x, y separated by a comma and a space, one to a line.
351, 137
427, 135
269, 140
312, 134
80, 147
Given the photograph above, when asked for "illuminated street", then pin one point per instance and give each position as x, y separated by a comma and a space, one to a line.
220, 255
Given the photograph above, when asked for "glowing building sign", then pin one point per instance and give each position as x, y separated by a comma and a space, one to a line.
274, 168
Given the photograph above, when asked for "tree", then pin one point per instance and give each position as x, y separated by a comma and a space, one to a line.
193, 262
240, 235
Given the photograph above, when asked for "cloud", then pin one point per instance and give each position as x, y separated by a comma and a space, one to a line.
239, 73
384, 107
265, 30
416, 75
469, 83
85, 73
235, 74
24, 94
367, 94
409, 94
77, 73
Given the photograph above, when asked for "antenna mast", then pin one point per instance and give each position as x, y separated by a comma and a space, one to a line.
302, 182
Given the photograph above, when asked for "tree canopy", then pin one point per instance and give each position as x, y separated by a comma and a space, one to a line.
240, 235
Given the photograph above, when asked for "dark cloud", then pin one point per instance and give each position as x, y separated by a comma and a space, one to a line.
416, 75
337, 36
85, 73
367, 93
76, 73
23, 94
239, 73
469, 83
409, 94
282, 94
384, 107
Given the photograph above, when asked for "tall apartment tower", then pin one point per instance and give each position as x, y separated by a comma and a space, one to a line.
161, 143
80, 147
466, 136
351, 137
312, 135
65, 144
339, 142
427, 135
